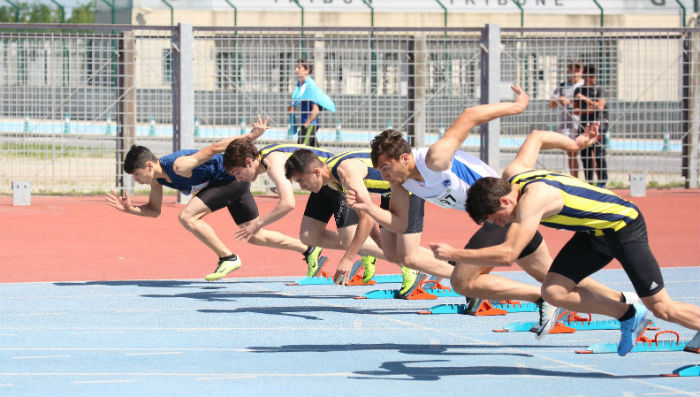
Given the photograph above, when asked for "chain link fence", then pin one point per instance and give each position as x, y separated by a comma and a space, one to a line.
75, 98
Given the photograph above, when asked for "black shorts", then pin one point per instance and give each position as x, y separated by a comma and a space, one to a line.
416, 212
491, 234
586, 253
234, 195
328, 202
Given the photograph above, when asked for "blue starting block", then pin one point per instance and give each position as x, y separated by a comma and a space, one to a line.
644, 344
320, 278
576, 325
686, 371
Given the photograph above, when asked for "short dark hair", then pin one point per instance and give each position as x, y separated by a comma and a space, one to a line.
237, 151
575, 65
483, 197
136, 158
304, 63
389, 143
589, 70
300, 162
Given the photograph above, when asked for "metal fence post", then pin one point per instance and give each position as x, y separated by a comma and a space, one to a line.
417, 70
692, 135
490, 93
126, 111
183, 91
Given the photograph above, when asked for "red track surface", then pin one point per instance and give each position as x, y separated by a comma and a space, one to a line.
76, 239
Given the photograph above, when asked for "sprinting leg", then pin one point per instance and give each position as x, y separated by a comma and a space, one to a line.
191, 218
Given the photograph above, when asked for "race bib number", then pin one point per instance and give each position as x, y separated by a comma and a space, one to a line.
449, 199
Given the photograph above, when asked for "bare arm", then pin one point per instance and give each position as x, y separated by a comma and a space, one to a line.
184, 165
151, 209
439, 156
275, 170
394, 219
315, 110
542, 140
538, 202
351, 174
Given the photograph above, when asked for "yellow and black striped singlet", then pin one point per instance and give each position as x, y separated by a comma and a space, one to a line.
289, 149
373, 181
586, 208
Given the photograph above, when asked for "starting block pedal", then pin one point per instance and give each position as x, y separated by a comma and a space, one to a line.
573, 322
487, 308
686, 371
643, 344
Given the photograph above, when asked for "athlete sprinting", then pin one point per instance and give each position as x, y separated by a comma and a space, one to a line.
605, 225
246, 163
201, 173
352, 171
442, 174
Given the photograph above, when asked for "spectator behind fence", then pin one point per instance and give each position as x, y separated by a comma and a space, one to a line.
310, 99
589, 103
563, 97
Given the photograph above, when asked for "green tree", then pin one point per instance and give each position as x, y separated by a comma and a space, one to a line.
7, 14
84, 13
41, 13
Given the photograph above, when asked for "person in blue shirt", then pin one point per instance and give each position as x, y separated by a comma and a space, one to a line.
202, 174
310, 99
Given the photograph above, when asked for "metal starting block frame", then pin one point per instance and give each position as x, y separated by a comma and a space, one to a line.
487, 308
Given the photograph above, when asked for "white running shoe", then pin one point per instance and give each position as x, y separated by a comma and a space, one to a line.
548, 317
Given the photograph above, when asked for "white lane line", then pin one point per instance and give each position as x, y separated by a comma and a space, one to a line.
463, 336
84, 382
152, 354
6, 385
39, 357
39, 314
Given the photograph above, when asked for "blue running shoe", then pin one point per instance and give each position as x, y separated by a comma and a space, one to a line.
631, 329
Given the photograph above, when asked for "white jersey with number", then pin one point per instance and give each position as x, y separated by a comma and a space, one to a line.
448, 188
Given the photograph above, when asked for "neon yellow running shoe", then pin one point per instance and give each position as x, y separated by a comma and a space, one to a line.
368, 263
409, 278
224, 267
312, 261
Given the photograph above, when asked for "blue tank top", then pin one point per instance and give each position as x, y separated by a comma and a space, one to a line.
202, 175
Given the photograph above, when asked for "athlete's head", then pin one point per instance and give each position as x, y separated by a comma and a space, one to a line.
391, 155
140, 162
487, 201
304, 167
241, 159
574, 71
589, 74
302, 69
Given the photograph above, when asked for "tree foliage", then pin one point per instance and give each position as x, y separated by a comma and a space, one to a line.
40, 12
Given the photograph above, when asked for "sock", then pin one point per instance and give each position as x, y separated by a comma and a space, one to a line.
622, 298
628, 314
231, 257
539, 302
308, 250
